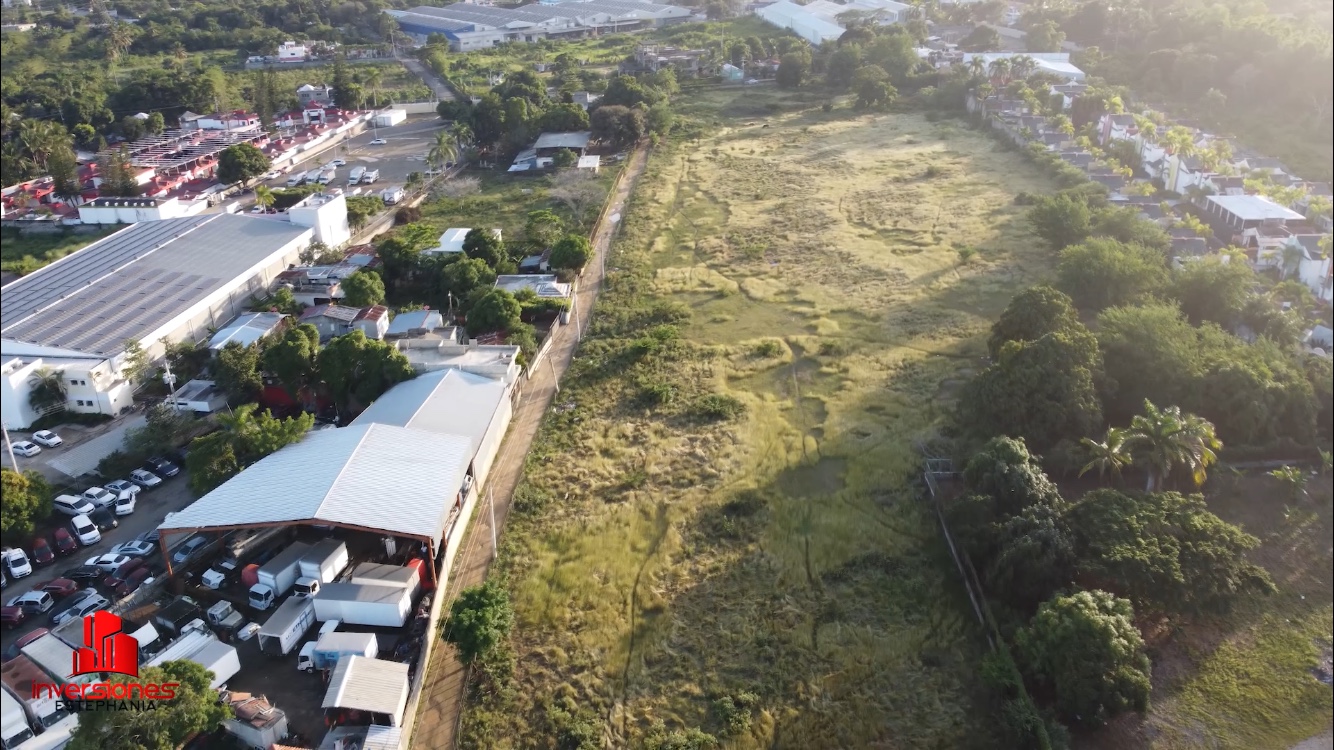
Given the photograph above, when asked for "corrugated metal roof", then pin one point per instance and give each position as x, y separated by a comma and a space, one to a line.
247, 329
577, 139
366, 684
383, 738
345, 641
398, 480
446, 402
128, 285
51, 654
405, 323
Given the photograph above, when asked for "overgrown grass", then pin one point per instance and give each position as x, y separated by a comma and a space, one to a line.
765, 573
25, 253
505, 202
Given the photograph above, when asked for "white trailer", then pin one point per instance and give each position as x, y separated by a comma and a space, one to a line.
20, 676
354, 177
276, 576
199, 645
371, 176
14, 729
361, 604
280, 634
378, 574
327, 176
390, 117
321, 565
392, 195
331, 647
296, 178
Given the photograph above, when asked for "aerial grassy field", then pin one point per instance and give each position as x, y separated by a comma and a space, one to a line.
25, 253
719, 529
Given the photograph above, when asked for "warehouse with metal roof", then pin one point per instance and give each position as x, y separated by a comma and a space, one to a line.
469, 27
374, 686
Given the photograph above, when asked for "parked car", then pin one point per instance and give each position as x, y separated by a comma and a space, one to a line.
26, 449
82, 608
72, 506
86, 575
32, 602
122, 488
379, 142
188, 549
107, 562
151, 536
99, 497
125, 505
131, 583
41, 551
84, 530
17, 564
65, 543
61, 587
129, 566
47, 438
135, 548
16, 648
339, 162
161, 466
104, 520
145, 479
11, 617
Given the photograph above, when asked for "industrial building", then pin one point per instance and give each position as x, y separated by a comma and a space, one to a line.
172, 279
818, 22
470, 27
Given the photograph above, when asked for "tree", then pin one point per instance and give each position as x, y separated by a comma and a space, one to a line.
1293, 479
1044, 37
1164, 551
195, 709
1060, 220
291, 359
165, 427
355, 368
1101, 272
981, 39
1124, 225
27, 501
894, 52
464, 275
363, 289
578, 192
872, 88
793, 68
571, 253
319, 254
1085, 648
1032, 314
1012, 477
1109, 456
63, 168
246, 436
564, 118
564, 159
444, 149
484, 245
1043, 391
236, 372
134, 363
240, 163
626, 91
1211, 290
155, 123
542, 230
497, 310
48, 390
479, 621
617, 126
488, 119
1035, 557
1164, 439
118, 176
841, 65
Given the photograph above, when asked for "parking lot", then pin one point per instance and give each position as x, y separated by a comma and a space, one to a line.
403, 153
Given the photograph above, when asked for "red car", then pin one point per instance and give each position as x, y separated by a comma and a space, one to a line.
60, 588
41, 551
11, 617
131, 583
12, 653
65, 542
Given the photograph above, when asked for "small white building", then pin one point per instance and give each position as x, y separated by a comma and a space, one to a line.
199, 396
111, 210
374, 686
452, 240
247, 329
290, 51
326, 213
498, 361
545, 286
390, 117
238, 120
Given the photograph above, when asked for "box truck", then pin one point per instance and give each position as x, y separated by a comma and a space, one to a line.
327, 176
325, 652
275, 577
199, 645
54, 738
19, 676
287, 626
321, 565
378, 574
354, 177
173, 618
55, 657
361, 604
14, 729
239, 549
370, 177
296, 179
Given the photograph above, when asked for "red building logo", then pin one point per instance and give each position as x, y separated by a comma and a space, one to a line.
107, 647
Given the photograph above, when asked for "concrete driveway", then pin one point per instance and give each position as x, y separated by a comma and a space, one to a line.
82, 448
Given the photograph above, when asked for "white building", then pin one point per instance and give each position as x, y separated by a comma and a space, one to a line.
247, 329
172, 279
134, 210
451, 241
390, 117
239, 121
468, 26
818, 21
427, 354
1055, 63
290, 51
545, 286
326, 214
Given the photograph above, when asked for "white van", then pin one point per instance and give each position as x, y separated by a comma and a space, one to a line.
296, 179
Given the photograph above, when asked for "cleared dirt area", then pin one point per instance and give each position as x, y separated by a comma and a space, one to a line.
719, 526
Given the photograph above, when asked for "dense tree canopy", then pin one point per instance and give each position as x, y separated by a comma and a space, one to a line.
27, 501
246, 436
1032, 314
479, 621
240, 163
363, 289
357, 369
195, 709
1102, 272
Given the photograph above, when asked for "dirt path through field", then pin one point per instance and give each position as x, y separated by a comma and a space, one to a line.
1319, 742
442, 695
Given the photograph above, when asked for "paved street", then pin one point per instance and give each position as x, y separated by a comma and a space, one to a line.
442, 692
429, 78
404, 153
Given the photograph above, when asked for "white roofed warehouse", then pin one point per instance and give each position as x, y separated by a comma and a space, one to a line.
470, 26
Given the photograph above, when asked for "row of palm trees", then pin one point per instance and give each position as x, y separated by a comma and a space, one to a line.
1003, 69
449, 143
1160, 441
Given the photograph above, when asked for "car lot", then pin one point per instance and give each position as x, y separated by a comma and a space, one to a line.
403, 153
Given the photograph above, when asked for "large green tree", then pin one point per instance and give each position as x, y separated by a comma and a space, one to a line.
358, 370
240, 163
27, 500
1060, 220
236, 371
291, 359
245, 436
497, 310
479, 621
1005, 471
1085, 648
1032, 314
1100, 273
484, 245
363, 289
1211, 290
571, 253
195, 709
1035, 557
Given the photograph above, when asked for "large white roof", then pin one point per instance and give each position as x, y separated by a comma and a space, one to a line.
1254, 208
365, 684
446, 402
378, 476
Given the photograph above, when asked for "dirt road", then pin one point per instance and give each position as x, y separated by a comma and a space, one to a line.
442, 694
1319, 742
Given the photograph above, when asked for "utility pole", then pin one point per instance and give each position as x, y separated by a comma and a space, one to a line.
491, 501
170, 380
13, 462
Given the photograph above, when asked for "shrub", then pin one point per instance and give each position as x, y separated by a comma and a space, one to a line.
656, 392
768, 349
407, 215
733, 712
718, 407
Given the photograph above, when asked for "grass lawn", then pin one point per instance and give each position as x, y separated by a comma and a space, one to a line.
1246, 681
771, 578
504, 203
23, 254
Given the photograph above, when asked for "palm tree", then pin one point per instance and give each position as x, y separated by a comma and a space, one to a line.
1022, 66
1163, 439
48, 392
178, 53
1180, 141
264, 197
374, 77
1293, 255
1293, 479
977, 67
119, 39
1000, 68
41, 137
443, 150
461, 133
1108, 457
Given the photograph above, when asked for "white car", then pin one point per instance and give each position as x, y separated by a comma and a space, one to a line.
122, 488
144, 478
32, 602
47, 438
338, 163
125, 505
82, 609
17, 564
272, 175
134, 549
85, 530
188, 549
26, 449
99, 496
73, 506
108, 562
379, 142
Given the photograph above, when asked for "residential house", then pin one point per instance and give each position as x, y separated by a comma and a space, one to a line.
1114, 183
247, 329
330, 320
585, 99
1187, 245
415, 324
1117, 127
1234, 214
1313, 266
313, 97
1079, 159
653, 57
372, 321
1068, 92
545, 286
